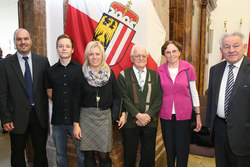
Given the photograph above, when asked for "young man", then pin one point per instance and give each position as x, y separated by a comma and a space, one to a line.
23, 100
61, 77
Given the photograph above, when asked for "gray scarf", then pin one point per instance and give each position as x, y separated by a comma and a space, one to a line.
97, 79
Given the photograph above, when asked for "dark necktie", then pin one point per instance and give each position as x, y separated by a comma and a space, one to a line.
28, 81
229, 87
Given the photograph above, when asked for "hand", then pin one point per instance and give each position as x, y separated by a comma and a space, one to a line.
8, 126
142, 119
198, 124
138, 123
77, 131
122, 120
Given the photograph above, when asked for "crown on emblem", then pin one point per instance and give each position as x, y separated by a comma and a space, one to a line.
124, 13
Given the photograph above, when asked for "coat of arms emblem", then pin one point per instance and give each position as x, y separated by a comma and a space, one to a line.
115, 31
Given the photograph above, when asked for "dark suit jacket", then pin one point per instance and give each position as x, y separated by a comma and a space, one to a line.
14, 100
238, 119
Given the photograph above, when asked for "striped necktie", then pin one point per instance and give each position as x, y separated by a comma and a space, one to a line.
229, 87
141, 80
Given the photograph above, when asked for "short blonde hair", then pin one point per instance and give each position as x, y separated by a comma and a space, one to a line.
90, 45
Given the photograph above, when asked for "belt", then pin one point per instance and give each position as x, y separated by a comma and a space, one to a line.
223, 119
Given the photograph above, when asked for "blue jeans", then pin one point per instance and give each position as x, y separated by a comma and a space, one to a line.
59, 135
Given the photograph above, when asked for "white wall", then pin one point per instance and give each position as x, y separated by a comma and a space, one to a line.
9, 23
54, 22
233, 11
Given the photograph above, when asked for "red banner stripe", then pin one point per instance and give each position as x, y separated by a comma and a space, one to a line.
117, 43
248, 52
81, 29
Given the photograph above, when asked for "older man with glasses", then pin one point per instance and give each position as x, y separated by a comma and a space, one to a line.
142, 94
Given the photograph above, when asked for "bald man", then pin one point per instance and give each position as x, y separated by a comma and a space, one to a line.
24, 101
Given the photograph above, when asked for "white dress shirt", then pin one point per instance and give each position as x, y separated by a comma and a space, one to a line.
22, 63
220, 108
143, 75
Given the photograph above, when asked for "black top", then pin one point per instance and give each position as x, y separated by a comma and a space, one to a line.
61, 80
85, 95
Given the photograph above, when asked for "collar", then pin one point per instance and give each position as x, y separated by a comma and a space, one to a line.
238, 64
71, 62
20, 56
136, 70
183, 65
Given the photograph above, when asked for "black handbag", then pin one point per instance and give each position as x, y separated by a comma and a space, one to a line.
193, 118
201, 138
116, 109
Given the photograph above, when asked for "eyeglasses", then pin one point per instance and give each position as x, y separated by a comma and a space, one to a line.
169, 52
140, 56
227, 48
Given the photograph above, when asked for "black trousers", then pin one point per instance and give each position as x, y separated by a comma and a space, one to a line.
147, 137
224, 157
176, 137
38, 136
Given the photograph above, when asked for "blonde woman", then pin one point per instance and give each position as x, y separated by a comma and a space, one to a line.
95, 93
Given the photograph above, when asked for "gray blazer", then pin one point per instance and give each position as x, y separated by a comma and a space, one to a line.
238, 118
14, 100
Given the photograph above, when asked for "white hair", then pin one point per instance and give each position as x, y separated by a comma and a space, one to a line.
230, 34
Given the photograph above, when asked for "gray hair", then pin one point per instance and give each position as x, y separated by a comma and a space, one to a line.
137, 45
230, 34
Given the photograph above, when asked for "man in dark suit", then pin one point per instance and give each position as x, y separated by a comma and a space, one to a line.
228, 104
23, 100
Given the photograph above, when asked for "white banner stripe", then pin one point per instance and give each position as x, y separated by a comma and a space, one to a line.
112, 42
121, 46
149, 30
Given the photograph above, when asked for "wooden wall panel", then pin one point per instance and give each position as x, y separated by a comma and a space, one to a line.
188, 25
33, 18
196, 38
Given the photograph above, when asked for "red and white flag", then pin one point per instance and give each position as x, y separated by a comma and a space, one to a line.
118, 25
248, 51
